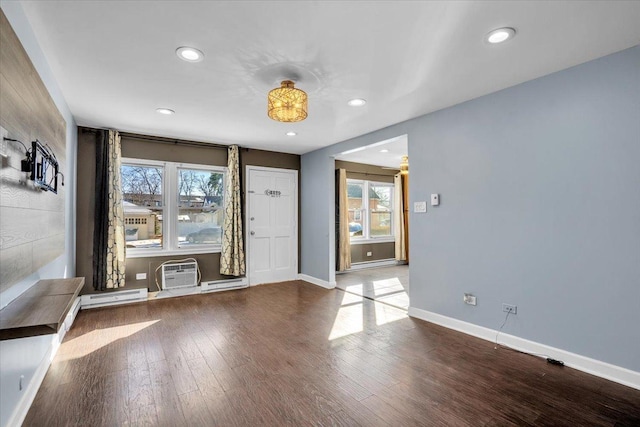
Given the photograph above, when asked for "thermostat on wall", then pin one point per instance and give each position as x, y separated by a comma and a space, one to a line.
435, 199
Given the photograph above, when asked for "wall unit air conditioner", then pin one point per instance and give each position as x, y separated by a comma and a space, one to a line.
182, 275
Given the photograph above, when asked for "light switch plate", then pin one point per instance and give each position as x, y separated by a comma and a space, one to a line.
420, 207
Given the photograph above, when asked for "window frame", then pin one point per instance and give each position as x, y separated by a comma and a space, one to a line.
366, 228
170, 208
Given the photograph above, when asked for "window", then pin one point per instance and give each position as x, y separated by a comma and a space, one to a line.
370, 210
171, 208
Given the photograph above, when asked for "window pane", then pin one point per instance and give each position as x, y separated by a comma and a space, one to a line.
143, 205
356, 217
200, 207
381, 206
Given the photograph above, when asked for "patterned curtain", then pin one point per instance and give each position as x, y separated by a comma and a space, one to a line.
399, 228
232, 256
108, 232
344, 239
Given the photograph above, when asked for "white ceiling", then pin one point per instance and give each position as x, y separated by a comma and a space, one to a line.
115, 61
373, 154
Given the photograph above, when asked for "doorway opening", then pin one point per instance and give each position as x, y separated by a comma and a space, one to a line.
372, 221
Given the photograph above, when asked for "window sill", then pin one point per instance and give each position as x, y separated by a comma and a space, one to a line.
150, 253
375, 240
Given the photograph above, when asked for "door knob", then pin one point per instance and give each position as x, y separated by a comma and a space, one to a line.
253, 232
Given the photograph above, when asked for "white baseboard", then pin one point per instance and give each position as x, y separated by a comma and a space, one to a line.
374, 264
582, 363
316, 281
224, 285
113, 298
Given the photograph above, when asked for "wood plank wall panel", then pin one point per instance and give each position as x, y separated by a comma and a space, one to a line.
31, 221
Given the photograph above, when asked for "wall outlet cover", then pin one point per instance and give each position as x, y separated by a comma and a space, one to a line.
420, 207
141, 276
510, 308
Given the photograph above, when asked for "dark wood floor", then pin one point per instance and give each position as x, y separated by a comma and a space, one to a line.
296, 354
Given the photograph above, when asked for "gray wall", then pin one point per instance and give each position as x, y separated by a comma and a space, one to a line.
540, 207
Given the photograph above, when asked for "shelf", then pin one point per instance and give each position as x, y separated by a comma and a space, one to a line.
41, 309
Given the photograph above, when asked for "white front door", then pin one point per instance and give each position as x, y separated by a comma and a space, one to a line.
272, 230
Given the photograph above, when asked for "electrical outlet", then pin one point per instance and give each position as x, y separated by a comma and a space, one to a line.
369, 253
509, 308
469, 299
141, 276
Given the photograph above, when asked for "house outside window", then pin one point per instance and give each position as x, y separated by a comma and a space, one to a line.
371, 216
172, 208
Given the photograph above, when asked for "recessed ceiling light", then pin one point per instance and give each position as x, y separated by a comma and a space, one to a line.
166, 111
189, 54
384, 150
500, 35
291, 133
357, 102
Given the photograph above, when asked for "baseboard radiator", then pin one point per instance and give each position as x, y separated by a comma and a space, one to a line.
224, 285
113, 298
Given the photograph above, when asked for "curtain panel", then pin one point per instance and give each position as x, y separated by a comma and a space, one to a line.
108, 233
232, 253
399, 223
344, 240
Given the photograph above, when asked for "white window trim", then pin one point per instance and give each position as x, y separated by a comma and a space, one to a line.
366, 238
170, 210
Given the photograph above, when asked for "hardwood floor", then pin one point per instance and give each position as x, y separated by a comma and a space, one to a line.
389, 285
297, 354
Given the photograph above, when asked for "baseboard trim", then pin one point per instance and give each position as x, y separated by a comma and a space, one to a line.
317, 282
374, 264
598, 368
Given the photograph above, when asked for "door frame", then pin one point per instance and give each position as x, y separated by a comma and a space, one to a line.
247, 251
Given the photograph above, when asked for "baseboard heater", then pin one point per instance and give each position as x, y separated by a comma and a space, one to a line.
224, 285
113, 298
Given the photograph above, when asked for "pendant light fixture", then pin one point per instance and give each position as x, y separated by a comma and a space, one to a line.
404, 165
287, 104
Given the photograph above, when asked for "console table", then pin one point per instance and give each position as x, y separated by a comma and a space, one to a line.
40, 310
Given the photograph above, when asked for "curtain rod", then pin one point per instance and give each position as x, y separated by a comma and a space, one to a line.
373, 174
164, 140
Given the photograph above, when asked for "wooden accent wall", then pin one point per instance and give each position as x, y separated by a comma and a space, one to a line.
31, 221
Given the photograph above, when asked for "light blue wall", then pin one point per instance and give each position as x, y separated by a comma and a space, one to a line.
540, 207
27, 356
317, 213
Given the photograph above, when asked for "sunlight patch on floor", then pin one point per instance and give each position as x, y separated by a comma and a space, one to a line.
350, 318
88, 343
348, 321
387, 314
357, 288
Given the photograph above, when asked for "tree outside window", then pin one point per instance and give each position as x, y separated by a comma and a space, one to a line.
171, 207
